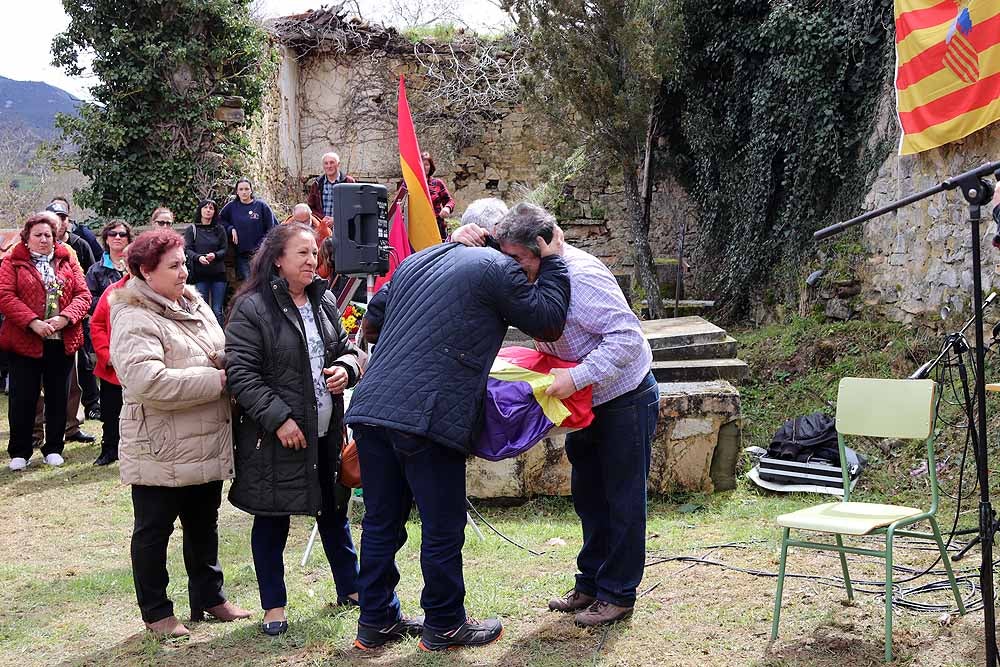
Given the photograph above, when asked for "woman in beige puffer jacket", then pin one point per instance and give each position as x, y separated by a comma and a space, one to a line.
176, 436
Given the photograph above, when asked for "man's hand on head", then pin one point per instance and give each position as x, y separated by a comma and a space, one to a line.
553, 248
470, 235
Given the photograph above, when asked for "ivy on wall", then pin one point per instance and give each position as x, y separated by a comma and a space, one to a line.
778, 104
150, 136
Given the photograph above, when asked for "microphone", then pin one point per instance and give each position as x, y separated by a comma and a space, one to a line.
928, 366
924, 370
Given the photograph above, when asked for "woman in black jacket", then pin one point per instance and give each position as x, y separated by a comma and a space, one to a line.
288, 362
205, 245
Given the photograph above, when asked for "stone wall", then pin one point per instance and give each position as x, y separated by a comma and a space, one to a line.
920, 257
324, 101
691, 415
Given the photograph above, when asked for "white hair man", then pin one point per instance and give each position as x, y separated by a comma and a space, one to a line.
321, 197
303, 214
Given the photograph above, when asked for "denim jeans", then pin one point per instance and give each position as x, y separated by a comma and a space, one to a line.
214, 293
397, 469
610, 460
243, 265
267, 542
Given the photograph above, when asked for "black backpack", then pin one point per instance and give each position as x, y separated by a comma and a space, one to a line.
805, 438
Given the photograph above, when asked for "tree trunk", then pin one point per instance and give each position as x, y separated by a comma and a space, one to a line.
641, 252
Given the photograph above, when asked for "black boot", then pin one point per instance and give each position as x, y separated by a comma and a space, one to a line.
107, 457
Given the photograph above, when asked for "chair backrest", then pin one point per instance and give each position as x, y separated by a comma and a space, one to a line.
886, 408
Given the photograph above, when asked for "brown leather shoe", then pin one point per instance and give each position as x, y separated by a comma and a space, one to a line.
601, 613
168, 627
572, 601
224, 612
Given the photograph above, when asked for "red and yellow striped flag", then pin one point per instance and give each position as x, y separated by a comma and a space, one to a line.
947, 70
423, 229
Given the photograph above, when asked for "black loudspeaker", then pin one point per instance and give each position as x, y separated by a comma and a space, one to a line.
361, 229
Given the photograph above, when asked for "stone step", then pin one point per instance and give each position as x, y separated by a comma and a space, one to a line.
670, 332
680, 331
732, 370
723, 349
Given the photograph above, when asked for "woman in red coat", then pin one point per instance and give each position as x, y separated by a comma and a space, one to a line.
43, 298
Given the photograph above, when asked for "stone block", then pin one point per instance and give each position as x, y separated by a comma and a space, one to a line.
691, 416
230, 115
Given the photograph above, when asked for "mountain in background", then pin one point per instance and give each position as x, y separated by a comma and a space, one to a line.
33, 105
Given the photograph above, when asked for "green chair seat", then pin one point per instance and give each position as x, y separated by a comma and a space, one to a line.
846, 518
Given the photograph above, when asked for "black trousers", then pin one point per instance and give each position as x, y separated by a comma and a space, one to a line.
111, 409
90, 395
156, 508
27, 376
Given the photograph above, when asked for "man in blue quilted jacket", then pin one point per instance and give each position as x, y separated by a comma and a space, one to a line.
416, 412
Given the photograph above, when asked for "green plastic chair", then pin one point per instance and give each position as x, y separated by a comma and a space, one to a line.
884, 409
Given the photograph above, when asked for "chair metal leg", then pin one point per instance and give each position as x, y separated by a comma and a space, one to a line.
843, 567
781, 584
947, 565
888, 595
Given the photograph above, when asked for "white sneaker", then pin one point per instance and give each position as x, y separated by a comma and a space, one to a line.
17, 463
54, 459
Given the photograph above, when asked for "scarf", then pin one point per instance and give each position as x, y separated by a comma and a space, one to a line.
44, 265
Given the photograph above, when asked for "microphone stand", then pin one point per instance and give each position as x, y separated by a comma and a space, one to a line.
977, 191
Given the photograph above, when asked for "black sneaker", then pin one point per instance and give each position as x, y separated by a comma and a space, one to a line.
470, 633
371, 637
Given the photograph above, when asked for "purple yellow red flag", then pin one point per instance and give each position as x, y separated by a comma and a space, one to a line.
423, 229
947, 70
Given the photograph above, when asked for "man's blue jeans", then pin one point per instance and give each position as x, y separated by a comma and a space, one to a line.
213, 292
396, 469
610, 461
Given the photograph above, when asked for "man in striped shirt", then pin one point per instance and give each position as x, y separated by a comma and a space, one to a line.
610, 458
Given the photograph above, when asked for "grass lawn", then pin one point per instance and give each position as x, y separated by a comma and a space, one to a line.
66, 594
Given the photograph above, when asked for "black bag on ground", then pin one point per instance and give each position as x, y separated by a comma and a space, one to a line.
804, 451
803, 438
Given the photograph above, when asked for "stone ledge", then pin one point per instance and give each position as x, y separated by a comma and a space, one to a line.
691, 414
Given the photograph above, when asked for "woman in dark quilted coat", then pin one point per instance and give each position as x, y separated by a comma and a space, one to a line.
288, 362
43, 298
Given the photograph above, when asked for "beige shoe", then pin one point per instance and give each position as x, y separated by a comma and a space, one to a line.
602, 613
225, 612
168, 627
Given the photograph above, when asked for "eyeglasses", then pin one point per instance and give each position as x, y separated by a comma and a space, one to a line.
121, 235
164, 223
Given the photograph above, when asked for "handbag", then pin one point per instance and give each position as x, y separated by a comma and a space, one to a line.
350, 466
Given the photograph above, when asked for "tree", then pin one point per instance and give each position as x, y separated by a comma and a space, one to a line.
150, 137
601, 67
27, 180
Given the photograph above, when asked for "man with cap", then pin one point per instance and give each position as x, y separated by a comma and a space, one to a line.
80, 230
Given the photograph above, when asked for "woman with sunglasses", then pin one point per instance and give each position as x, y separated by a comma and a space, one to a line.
115, 236
162, 218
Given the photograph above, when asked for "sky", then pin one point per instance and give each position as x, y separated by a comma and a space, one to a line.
27, 29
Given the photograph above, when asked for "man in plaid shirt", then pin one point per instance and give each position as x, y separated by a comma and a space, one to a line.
610, 458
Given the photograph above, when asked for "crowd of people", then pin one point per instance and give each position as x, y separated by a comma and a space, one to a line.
195, 392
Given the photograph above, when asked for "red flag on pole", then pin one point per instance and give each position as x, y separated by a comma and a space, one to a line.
399, 246
423, 231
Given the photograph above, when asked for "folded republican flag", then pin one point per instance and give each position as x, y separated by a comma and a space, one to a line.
518, 413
